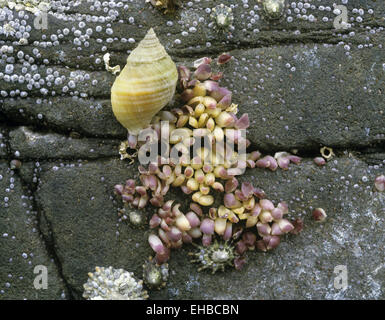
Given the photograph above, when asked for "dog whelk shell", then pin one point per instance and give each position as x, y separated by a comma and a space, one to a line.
145, 85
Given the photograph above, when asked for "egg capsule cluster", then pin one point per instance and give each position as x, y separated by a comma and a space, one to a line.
208, 114
174, 228
243, 204
209, 120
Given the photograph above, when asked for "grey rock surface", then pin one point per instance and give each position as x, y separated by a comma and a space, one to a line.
32, 145
89, 118
84, 220
304, 85
318, 101
87, 233
3, 145
22, 248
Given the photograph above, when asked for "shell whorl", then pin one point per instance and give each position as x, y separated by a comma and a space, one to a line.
145, 85
153, 48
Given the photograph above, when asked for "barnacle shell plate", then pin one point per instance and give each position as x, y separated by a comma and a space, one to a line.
146, 84
274, 9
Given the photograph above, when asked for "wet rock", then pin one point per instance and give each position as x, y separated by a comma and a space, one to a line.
302, 267
84, 219
27, 173
25, 143
300, 98
84, 222
84, 116
21, 246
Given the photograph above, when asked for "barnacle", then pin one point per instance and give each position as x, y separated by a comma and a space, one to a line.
113, 284
273, 9
155, 276
15, 164
8, 29
215, 257
135, 217
222, 16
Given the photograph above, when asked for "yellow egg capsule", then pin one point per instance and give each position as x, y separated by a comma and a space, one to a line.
146, 84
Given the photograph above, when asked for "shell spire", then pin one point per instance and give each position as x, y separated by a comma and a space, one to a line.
146, 84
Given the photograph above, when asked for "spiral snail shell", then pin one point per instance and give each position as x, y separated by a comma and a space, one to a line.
145, 85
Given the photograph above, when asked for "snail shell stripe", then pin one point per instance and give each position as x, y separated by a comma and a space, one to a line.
145, 85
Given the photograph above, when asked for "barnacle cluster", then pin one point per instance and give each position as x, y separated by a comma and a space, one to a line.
274, 9
113, 284
222, 16
135, 217
28, 5
201, 148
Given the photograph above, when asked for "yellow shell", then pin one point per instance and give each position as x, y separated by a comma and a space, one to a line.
145, 85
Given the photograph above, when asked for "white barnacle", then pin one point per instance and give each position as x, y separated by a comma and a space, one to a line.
8, 30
